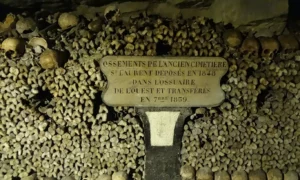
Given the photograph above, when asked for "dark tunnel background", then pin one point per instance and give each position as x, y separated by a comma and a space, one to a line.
293, 19
294, 15
294, 6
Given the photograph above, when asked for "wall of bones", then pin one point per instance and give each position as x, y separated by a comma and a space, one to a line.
54, 125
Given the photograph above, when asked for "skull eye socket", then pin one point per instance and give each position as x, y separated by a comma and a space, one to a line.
27, 31
245, 52
254, 53
266, 51
10, 54
287, 51
111, 14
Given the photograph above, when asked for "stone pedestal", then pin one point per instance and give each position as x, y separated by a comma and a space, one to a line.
163, 133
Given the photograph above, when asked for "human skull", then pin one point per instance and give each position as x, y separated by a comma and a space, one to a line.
233, 38
291, 175
31, 177
270, 47
96, 25
38, 44
24, 25
222, 175
274, 174
201, 111
9, 21
250, 47
38, 41
257, 175
204, 173
289, 46
187, 172
119, 176
13, 47
68, 178
67, 20
49, 59
239, 175
111, 12
104, 177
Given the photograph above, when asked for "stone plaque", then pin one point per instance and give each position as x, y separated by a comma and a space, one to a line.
163, 88
163, 81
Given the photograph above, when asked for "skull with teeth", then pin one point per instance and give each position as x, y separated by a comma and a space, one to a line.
289, 46
250, 47
270, 47
13, 47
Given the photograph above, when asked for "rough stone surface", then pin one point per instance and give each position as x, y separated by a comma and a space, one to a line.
165, 10
240, 12
24, 4
191, 3
60, 3
263, 17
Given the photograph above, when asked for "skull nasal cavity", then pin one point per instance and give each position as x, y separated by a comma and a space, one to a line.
266, 51
246, 52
